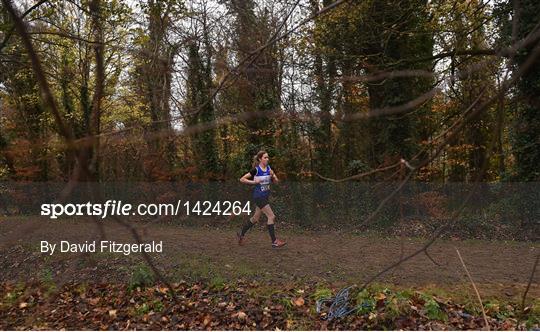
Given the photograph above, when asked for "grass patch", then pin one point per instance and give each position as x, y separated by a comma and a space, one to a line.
201, 267
47, 280
321, 292
12, 297
217, 283
141, 276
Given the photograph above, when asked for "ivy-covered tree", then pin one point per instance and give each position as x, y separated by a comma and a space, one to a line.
153, 74
399, 39
258, 84
200, 111
527, 113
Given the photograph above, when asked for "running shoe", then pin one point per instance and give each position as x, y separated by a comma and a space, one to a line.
278, 243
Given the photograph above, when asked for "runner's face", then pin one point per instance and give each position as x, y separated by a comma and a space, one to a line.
264, 159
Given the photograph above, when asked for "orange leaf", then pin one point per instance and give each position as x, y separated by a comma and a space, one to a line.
298, 301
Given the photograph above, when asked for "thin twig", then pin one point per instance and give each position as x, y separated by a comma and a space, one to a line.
431, 258
353, 177
475, 289
531, 277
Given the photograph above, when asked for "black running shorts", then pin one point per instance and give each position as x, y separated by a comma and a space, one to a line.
261, 202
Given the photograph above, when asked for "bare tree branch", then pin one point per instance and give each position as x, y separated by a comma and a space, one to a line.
12, 29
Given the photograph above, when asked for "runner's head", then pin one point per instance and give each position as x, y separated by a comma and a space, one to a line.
261, 158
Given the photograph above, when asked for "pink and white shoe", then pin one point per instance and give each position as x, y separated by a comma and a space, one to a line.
278, 243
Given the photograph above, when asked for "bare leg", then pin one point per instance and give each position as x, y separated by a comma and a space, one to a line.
267, 210
253, 220
257, 216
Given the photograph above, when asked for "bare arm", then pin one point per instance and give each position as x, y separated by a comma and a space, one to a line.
274, 176
245, 179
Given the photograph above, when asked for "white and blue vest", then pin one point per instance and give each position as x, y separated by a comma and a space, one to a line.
262, 189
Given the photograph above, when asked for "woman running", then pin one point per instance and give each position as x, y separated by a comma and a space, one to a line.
261, 175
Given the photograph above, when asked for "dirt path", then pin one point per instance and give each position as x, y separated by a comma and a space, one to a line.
210, 252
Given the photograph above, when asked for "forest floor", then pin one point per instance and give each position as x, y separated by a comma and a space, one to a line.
192, 254
191, 251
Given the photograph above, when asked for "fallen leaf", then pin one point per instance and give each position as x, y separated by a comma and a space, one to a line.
299, 301
240, 315
288, 323
207, 320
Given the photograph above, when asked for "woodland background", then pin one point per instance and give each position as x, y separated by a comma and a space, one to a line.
173, 90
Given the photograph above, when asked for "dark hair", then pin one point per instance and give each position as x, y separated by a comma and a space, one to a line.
257, 158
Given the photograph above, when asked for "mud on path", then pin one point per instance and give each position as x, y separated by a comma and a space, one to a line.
499, 269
